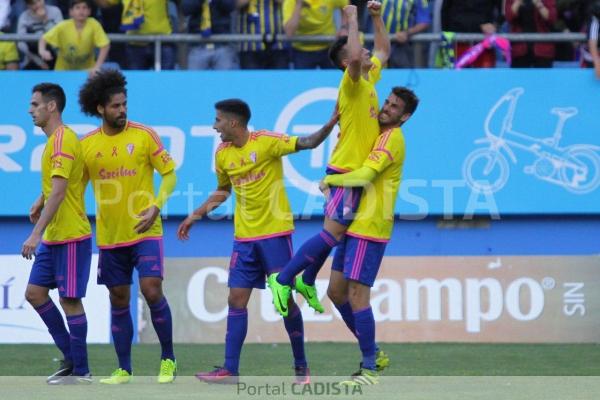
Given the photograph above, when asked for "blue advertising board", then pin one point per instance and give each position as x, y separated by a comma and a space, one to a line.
481, 142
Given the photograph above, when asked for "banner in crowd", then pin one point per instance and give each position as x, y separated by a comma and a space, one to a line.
414, 299
482, 142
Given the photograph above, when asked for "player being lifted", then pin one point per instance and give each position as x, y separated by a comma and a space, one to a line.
358, 257
358, 107
121, 157
64, 256
250, 163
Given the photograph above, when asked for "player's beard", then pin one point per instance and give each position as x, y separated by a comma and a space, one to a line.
118, 122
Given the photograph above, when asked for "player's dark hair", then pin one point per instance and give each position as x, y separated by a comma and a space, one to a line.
52, 92
237, 107
73, 3
410, 99
337, 51
99, 89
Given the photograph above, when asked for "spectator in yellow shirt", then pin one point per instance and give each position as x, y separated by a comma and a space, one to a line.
76, 40
9, 56
306, 18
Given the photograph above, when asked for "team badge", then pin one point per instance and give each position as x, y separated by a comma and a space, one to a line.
253, 157
130, 148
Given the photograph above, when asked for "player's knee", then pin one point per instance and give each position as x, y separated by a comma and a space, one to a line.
336, 295
152, 294
71, 305
236, 301
35, 297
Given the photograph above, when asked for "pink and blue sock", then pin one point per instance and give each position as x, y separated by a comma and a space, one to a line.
310, 257
122, 333
56, 327
78, 333
237, 327
295, 329
347, 315
163, 325
365, 332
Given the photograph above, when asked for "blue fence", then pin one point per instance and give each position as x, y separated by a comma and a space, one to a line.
481, 142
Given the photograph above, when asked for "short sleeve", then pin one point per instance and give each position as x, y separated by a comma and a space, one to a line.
222, 177
375, 71
11, 55
159, 156
52, 36
387, 150
278, 144
100, 38
63, 154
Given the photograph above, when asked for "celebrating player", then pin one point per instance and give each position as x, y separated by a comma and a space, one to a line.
63, 259
251, 163
120, 158
359, 128
358, 257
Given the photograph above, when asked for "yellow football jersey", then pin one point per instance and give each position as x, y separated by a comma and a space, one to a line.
156, 19
358, 106
255, 171
316, 18
8, 54
375, 215
121, 169
76, 50
63, 157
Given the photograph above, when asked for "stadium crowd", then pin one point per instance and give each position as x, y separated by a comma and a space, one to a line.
74, 39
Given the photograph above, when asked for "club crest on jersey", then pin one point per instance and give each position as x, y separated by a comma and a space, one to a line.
130, 148
253, 157
232, 165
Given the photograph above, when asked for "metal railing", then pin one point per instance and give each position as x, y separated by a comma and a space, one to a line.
189, 38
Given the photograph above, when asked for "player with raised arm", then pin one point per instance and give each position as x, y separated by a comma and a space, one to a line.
358, 257
250, 163
63, 258
358, 107
121, 157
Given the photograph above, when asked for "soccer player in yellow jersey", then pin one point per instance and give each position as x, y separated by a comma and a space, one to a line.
76, 39
63, 258
250, 162
358, 107
121, 157
358, 257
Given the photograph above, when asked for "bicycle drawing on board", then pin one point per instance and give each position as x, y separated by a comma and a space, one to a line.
576, 168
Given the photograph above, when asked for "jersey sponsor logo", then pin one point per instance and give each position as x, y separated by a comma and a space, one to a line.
117, 173
57, 163
249, 178
374, 157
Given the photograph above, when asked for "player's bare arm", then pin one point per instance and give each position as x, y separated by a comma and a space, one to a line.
382, 47
59, 189
36, 209
217, 198
353, 47
315, 139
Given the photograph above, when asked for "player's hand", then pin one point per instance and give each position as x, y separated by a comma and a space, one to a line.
32, 242
36, 210
46, 55
488, 28
324, 188
147, 218
350, 12
374, 8
183, 232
